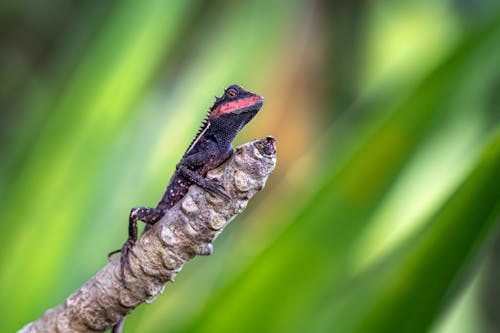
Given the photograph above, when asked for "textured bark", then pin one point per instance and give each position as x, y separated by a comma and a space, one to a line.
187, 230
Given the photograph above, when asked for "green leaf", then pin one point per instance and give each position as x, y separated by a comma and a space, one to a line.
419, 285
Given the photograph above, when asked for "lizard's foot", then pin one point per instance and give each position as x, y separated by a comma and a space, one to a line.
125, 252
202, 182
145, 214
216, 189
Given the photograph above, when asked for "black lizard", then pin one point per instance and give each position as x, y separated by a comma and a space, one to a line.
210, 148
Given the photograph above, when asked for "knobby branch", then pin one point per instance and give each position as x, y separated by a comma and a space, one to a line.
187, 230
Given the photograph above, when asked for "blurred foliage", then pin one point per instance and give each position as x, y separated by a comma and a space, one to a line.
382, 216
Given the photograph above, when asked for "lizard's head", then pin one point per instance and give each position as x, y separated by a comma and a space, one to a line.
236, 104
229, 114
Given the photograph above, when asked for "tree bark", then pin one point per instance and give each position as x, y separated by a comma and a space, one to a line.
187, 230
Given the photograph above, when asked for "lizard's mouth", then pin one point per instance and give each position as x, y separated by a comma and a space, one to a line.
250, 108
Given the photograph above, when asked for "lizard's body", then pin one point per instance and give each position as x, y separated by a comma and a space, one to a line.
210, 148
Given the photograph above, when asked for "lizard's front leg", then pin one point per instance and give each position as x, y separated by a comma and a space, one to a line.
145, 214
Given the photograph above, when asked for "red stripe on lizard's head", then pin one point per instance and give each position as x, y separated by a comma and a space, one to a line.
242, 104
235, 100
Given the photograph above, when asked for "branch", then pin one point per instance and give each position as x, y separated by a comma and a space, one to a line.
186, 230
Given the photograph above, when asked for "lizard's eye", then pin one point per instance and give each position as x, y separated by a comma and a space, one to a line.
231, 92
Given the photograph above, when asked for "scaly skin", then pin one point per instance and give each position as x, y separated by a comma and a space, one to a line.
210, 148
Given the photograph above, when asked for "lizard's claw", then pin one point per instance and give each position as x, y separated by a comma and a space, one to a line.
217, 189
112, 253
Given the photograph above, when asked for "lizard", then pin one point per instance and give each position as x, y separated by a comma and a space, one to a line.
211, 147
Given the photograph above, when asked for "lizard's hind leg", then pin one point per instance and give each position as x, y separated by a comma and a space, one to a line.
149, 216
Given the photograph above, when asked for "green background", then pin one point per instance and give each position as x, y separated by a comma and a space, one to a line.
383, 212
